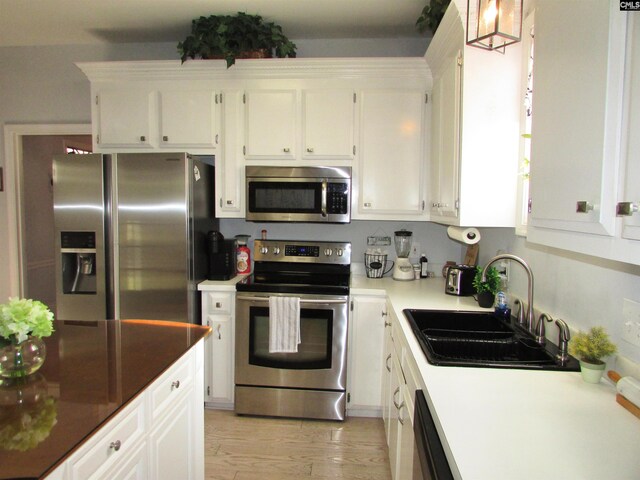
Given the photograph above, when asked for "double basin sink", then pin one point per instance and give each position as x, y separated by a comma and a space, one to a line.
479, 339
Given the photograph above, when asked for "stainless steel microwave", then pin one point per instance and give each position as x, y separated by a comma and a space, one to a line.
298, 194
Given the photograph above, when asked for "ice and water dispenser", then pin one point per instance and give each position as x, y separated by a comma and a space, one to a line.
78, 259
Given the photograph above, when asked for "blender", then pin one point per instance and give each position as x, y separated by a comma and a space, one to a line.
403, 270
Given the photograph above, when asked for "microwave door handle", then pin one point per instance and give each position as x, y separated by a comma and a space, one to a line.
324, 198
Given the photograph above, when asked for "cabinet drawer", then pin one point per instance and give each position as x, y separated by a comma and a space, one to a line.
218, 302
106, 448
169, 387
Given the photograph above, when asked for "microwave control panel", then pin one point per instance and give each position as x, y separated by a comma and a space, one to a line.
338, 198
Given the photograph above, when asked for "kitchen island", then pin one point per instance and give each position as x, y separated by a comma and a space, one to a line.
509, 423
111, 395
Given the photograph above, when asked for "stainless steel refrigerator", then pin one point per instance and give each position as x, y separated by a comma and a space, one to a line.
131, 235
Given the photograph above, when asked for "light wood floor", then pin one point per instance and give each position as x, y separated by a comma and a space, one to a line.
252, 448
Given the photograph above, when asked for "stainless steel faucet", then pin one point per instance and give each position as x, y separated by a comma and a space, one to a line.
563, 341
508, 256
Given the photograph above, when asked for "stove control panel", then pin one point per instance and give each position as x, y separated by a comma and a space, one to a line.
297, 251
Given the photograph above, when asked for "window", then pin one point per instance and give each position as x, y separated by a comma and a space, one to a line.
525, 125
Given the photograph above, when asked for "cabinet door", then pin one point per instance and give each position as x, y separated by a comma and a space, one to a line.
445, 139
365, 352
328, 118
631, 226
576, 115
397, 385
124, 118
219, 350
387, 367
172, 441
270, 124
391, 154
188, 119
230, 165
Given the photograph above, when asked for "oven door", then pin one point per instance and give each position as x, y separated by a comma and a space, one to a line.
319, 363
429, 460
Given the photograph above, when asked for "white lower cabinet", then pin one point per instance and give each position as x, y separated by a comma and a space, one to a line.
366, 335
218, 312
399, 385
159, 435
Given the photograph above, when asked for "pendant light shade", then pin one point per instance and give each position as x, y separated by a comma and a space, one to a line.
493, 24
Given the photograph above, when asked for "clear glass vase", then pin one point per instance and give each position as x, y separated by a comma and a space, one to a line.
23, 359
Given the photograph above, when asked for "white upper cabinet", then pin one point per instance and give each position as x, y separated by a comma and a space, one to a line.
474, 129
392, 158
188, 118
630, 199
270, 124
584, 159
123, 118
328, 124
230, 164
577, 103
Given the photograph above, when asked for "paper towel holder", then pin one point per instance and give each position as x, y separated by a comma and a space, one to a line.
469, 237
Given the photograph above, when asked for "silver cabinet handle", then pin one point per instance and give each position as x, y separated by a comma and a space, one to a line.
286, 150
216, 139
626, 209
367, 204
165, 138
115, 445
175, 384
387, 324
218, 330
386, 363
398, 406
584, 207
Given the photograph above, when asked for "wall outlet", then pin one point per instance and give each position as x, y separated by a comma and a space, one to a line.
631, 318
415, 250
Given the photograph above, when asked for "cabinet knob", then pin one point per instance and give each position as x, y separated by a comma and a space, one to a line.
175, 384
143, 138
584, 207
286, 150
310, 149
218, 304
165, 138
367, 204
626, 209
230, 202
115, 445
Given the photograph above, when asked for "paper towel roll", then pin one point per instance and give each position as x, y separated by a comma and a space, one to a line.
469, 236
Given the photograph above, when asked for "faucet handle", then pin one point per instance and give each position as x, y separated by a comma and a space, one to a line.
540, 329
564, 335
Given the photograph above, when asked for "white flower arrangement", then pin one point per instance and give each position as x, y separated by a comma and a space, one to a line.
22, 317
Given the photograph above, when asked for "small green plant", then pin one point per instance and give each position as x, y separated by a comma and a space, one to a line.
492, 281
431, 15
231, 36
592, 346
21, 317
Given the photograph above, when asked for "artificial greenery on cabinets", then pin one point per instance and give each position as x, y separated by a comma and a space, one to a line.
235, 36
431, 15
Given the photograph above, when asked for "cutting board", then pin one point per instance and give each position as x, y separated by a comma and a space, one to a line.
621, 399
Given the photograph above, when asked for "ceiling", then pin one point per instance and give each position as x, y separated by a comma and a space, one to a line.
60, 22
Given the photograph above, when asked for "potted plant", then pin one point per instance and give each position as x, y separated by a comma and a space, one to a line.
431, 15
590, 348
487, 290
235, 36
23, 322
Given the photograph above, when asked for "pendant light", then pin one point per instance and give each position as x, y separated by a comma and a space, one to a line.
493, 24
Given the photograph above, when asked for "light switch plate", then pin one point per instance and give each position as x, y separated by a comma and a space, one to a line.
631, 319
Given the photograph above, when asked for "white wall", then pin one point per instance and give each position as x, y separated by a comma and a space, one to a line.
582, 290
43, 85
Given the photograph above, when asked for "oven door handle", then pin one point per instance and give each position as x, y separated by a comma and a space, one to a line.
315, 301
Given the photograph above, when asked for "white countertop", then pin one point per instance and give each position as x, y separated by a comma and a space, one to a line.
516, 424
221, 285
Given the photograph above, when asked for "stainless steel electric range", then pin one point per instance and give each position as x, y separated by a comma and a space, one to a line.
310, 382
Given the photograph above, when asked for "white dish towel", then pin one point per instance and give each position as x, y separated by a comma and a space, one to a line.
284, 324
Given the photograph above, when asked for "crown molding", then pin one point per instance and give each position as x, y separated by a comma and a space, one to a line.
272, 68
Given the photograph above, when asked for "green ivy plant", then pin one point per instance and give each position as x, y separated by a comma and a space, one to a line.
492, 281
229, 36
431, 15
592, 346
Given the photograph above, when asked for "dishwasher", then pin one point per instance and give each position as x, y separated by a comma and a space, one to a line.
429, 459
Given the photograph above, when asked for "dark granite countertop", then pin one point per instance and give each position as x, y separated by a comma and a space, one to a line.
92, 370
